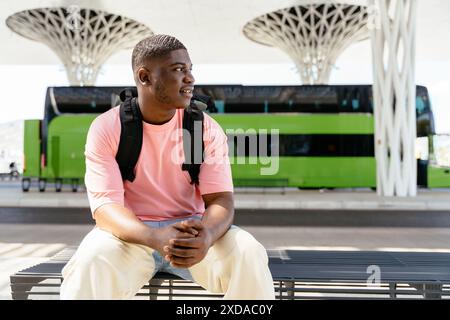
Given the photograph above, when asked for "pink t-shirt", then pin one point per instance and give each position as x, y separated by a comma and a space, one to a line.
161, 190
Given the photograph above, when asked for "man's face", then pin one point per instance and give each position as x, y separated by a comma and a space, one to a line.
172, 80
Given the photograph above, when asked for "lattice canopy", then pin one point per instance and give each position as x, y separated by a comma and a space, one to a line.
313, 35
82, 38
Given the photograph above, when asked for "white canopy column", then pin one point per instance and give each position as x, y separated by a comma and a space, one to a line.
82, 38
313, 34
393, 28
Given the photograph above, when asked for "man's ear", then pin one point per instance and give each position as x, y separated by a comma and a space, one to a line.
143, 76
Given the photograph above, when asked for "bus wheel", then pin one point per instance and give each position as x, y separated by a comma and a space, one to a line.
74, 185
42, 183
26, 182
58, 185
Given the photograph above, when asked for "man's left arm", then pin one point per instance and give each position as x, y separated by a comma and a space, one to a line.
216, 183
219, 214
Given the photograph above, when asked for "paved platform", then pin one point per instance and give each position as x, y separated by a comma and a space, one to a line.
11, 195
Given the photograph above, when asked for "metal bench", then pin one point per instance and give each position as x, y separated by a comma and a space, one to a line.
297, 274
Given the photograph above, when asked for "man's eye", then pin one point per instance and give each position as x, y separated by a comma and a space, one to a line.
182, 69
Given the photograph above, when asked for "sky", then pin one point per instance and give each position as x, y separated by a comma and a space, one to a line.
23, 86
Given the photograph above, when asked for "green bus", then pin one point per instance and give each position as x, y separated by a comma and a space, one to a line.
319, 136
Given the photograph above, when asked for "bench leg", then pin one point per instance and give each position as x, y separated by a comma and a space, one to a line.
436, 291
425, 288
154, 285
392, 290
279, 285
170, 289
21, 286
19, 295
290, 285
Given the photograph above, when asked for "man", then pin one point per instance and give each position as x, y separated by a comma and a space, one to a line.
158, 222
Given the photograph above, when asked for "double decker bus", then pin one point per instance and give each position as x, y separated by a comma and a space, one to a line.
315, 136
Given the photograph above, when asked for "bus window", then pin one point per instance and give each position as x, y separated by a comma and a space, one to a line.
420, 105
220, 106
356, 99
441, 146
316, 99
422, 148
350, 98
344, 99
244, 108
326, 145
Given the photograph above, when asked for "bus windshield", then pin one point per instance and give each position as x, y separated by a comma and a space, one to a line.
441, 146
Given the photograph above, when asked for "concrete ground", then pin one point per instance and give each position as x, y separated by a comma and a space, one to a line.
11, 195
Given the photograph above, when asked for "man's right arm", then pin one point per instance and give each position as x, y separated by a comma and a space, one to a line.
124, 224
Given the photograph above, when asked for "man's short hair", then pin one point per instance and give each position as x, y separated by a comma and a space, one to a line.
154, 46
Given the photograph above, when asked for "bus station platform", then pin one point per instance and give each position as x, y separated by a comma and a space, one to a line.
11, 195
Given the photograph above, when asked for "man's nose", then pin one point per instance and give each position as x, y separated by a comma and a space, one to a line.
189, 78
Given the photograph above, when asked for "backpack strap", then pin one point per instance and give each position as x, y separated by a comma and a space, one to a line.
202, 102
192, 134
130, 144
130, 136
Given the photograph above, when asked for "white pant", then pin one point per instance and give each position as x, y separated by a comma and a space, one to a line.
105, 267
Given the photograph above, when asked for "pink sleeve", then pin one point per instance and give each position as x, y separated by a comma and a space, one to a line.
103, 180
215, 172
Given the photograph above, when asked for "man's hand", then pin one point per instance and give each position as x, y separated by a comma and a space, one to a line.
184, 252
174, 231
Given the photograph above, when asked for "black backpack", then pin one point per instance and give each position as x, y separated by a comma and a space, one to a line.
131, 135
